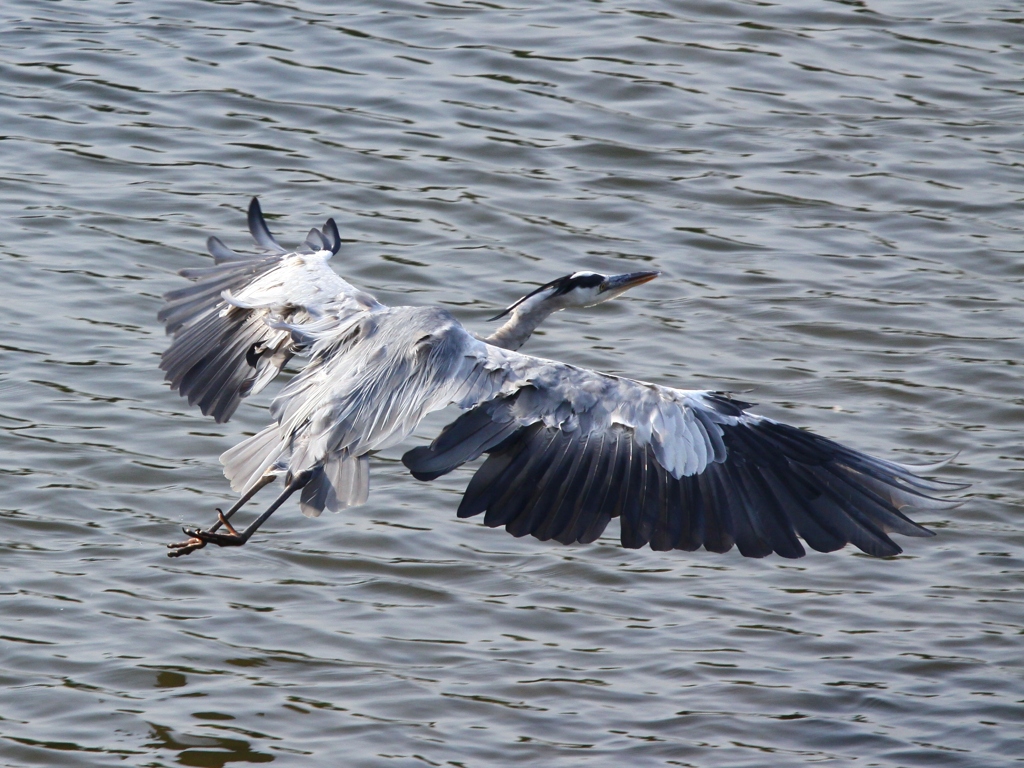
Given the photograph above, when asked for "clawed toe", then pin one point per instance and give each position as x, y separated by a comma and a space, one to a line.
187, 547
224, 521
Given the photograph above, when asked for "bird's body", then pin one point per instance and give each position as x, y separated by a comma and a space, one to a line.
568, 448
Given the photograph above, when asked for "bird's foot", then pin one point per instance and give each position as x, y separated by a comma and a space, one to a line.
187, 547
198, 538
233, 539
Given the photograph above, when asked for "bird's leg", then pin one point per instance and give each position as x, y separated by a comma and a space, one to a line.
235, 539
194, 542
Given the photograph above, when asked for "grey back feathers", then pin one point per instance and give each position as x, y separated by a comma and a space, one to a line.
567, 449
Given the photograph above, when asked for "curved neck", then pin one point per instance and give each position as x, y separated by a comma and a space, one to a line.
521, 325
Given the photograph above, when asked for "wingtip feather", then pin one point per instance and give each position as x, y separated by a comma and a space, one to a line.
258, 227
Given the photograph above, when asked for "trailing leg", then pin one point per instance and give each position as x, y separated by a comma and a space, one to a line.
193, 543
199, 538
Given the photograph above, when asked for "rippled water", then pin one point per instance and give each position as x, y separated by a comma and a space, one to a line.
833, 190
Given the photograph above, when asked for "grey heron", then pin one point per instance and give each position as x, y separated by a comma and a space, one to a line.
567, 448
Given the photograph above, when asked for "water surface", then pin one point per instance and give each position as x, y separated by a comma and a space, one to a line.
833, 192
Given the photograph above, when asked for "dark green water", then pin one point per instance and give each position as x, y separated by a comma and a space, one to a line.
834, 193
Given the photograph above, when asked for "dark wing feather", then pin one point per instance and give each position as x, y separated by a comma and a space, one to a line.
206, 362
212, 340
315, 241
260, 231
331, 236
221, 253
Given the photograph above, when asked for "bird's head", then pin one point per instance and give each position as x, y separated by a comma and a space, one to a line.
580, 289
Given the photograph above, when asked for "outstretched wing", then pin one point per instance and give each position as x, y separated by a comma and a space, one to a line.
569, 449
229, 340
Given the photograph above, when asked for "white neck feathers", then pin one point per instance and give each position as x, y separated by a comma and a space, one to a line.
523, 322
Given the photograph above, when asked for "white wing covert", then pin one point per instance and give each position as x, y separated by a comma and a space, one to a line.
228, 326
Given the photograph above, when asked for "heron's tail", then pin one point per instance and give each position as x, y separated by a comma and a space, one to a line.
248, 461
344, 481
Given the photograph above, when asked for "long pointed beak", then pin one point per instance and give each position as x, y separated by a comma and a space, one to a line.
620, 283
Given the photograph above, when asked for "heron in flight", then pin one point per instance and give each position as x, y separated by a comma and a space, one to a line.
567, 448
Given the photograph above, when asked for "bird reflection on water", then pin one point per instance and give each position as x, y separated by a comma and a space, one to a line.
568, 448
